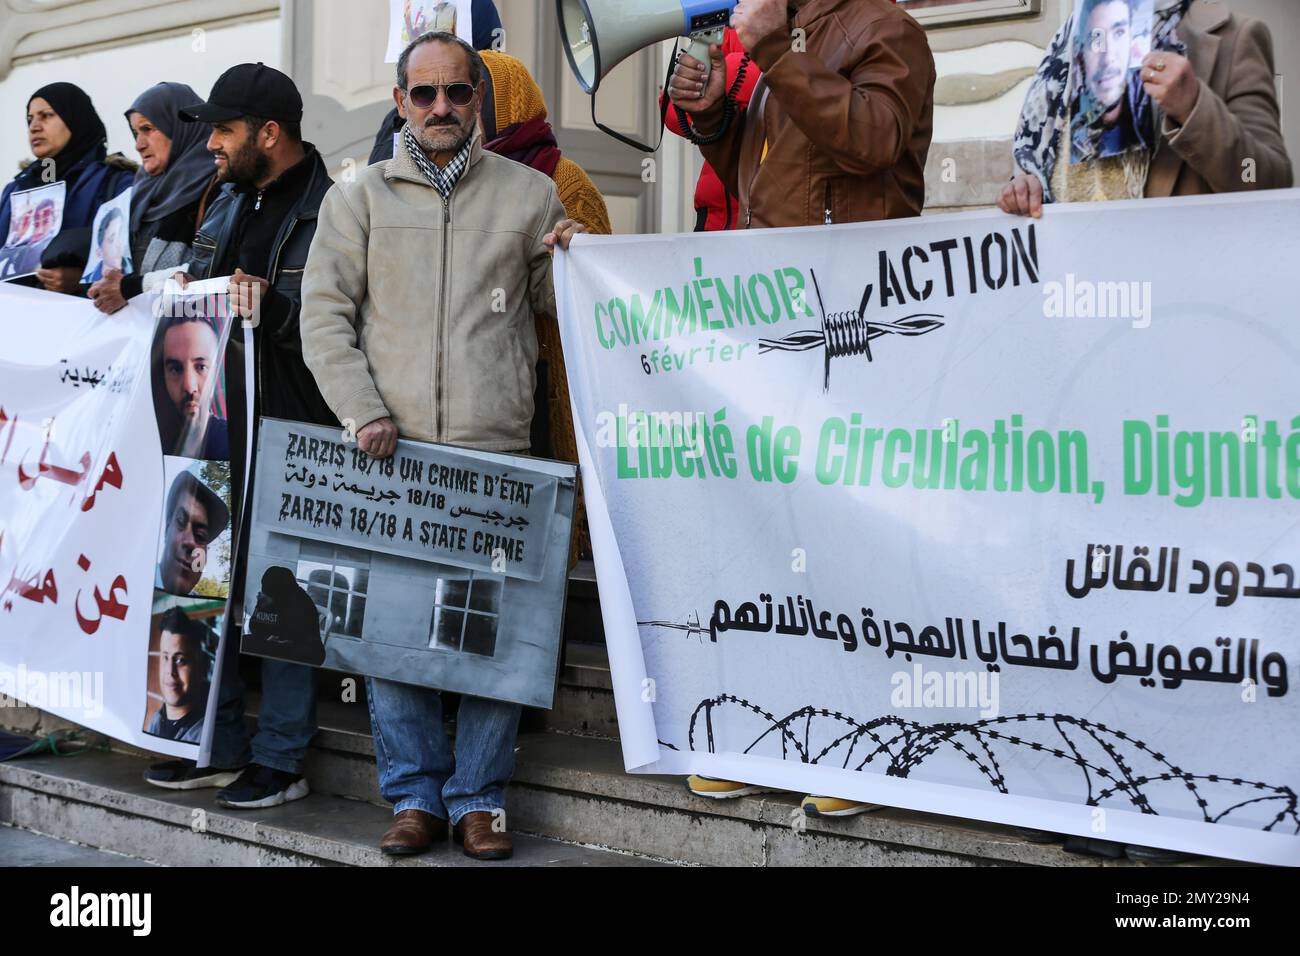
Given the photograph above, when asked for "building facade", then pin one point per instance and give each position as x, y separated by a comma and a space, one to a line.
985, 50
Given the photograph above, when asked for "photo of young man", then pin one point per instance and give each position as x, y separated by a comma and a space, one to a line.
186, 375
193, 519
181, 668
35, 219
1110, 111
109, 249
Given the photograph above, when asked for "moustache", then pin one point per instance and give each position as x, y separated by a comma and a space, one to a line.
441, 121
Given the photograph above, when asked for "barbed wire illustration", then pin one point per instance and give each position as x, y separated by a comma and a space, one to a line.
904, 745
691, 626
848, 333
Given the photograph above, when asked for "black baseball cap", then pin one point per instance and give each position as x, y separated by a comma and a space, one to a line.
249, 89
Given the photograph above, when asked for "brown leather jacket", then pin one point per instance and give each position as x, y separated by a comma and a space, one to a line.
847, 122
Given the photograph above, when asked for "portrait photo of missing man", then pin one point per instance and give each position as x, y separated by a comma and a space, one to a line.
188, 393
1110, 111
35, 218
182, 647
109, 249
194, 547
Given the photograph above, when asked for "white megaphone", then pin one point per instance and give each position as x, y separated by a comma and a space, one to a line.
600, 34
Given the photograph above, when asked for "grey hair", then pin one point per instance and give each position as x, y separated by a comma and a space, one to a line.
476, 67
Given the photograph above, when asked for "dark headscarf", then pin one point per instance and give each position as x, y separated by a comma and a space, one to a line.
189, 168
78, 114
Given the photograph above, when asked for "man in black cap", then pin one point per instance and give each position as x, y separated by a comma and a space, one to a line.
258, 231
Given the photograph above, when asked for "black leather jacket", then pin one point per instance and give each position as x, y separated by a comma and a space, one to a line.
284, 387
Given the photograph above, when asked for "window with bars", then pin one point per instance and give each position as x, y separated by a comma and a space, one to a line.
336, 579
466, 611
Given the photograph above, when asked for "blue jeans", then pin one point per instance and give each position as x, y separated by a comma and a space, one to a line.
286, 720
417, 767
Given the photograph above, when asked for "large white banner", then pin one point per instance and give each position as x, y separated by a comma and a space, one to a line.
970, 514
115, 513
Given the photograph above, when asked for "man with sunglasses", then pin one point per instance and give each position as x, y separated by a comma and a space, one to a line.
419, 302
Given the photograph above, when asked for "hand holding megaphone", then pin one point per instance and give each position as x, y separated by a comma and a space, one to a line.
695, 89
600, 34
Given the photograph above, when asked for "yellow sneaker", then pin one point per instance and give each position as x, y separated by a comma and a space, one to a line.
815, 806
716, 789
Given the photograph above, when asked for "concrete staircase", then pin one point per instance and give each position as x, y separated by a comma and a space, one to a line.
98, 799
570, 804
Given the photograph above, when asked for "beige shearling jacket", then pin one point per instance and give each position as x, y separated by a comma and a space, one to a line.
422, 310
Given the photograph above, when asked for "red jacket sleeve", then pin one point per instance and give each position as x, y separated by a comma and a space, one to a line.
734, 53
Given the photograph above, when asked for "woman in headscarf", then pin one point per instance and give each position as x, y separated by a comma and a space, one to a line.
69, 141
1216, 124
514, 125
171, 189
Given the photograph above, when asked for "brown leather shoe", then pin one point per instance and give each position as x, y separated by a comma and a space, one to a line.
475, 834
412, 832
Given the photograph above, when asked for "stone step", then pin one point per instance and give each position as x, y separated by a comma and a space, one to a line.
27, 848
99, 800
567, 787
574, 788
584, 700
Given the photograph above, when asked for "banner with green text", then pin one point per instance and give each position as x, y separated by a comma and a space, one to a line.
983, 516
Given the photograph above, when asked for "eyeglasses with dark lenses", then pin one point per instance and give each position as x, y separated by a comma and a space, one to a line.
458, 94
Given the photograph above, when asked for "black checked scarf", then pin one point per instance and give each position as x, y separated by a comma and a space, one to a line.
444, 180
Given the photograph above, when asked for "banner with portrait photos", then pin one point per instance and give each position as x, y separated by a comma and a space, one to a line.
973, 514
115, 511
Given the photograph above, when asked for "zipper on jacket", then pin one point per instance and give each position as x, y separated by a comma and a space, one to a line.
749, 197
275, 262
440, 426
829, 218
